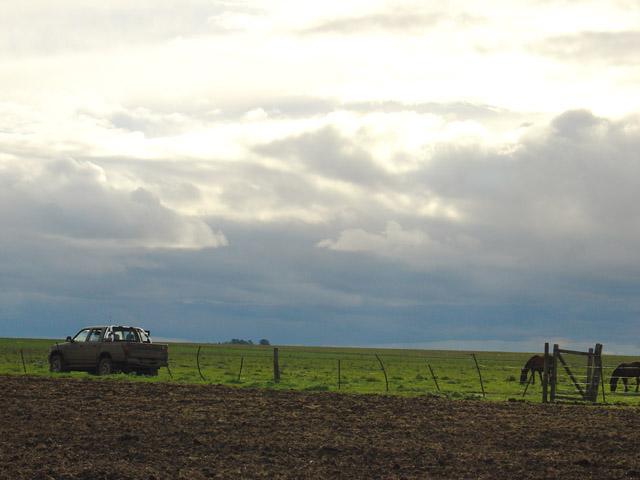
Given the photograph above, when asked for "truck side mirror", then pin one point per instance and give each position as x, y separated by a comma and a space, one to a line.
69, 339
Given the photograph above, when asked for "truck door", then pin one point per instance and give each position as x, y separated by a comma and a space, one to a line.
91, 348
73, 351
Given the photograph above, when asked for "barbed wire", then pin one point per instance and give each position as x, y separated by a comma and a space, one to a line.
360, 369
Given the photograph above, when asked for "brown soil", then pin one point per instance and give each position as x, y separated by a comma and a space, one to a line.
74, 429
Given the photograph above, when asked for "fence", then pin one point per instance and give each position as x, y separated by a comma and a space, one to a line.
492, 375
455, 374
572, 375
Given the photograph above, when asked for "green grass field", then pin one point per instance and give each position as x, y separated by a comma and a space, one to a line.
316, 369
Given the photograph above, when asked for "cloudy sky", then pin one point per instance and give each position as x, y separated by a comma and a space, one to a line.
455, 174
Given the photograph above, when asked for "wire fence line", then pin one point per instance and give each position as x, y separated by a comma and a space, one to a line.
356, 371
494, 375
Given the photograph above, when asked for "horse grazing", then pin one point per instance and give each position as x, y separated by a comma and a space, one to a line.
625, 371
533, 365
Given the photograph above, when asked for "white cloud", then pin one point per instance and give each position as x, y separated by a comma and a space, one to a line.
72, 26
142, 53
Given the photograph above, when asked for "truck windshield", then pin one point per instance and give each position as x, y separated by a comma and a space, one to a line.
82, 335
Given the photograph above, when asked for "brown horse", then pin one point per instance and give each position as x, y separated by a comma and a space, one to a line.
625, 371
533, 365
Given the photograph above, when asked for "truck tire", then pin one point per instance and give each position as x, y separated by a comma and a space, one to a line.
56, 365
105, 366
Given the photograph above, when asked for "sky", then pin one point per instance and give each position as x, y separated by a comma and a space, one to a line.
427, 174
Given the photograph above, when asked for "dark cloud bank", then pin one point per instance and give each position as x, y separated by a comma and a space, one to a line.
544, 244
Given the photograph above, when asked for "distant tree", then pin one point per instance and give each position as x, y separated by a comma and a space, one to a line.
239, 341
264, 341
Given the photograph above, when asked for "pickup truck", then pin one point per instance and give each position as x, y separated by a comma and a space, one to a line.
108, 349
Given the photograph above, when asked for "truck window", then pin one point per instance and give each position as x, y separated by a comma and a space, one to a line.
125, 334
144, 338
82, 335
130, 335
95, 335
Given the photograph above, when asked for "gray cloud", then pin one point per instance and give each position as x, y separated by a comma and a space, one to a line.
562, 199
547, 235
160, 119
327, 153
71, 200
606, 47
152, 124
397, 21
450, 109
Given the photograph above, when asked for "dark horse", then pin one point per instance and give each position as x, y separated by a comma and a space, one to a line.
625, 371
533, 365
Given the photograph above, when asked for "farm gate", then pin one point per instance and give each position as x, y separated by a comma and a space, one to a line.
571, 374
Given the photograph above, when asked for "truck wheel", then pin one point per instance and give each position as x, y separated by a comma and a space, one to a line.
55, 363
153, 372
105, 366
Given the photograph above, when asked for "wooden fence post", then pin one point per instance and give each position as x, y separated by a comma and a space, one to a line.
276, 366
604, 400
339, 374
241, 364
554, 372
545, 373
479, 374
597, 373
433, 375
386, 380
198, 364
589, 376
24, 366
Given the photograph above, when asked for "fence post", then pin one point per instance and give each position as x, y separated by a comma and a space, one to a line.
589, 380
599, 359
339, 374
433, 375
597, 372
276, 366
554, 372
24, 366
386, 380
198, 364
169, 370
545, 373
479, 374
241, 364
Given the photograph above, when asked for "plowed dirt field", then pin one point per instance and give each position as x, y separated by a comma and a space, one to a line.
74, 429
